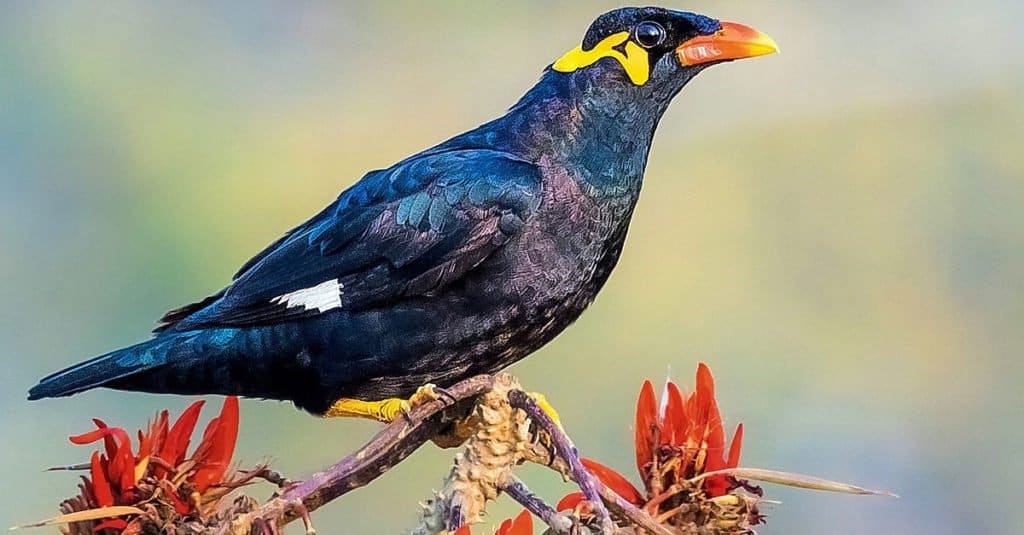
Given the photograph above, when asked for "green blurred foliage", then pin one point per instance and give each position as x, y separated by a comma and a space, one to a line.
838, 230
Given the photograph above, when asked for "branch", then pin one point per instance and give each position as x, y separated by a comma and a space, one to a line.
567, 452
560, 524
499, 427
385, 450
598, 493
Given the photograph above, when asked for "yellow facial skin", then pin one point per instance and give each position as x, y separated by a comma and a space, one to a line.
635, 61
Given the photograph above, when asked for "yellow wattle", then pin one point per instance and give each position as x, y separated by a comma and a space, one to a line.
634, 61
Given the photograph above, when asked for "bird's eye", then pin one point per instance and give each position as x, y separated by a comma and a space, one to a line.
650, 34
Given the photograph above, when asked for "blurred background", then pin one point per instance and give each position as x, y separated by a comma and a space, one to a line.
837, 230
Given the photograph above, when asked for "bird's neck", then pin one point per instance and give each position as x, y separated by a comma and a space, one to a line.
601, 132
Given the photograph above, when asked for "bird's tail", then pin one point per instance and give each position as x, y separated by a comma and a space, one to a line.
105, 369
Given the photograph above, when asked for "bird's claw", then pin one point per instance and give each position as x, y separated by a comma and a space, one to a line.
446, 396
424, 394
546, 406
406, 410
386, 410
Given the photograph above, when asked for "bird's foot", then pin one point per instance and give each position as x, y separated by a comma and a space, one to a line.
545, 406
386, 410
464, 427
427, 393
543, 437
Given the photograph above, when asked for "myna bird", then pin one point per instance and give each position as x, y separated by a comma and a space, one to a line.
456, 261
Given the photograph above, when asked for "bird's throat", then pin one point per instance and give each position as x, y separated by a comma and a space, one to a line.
602, 134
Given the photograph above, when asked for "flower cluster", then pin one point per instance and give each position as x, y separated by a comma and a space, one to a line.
685, 439
680, 444
159, 474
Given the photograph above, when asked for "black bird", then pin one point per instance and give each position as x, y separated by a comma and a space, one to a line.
456, 261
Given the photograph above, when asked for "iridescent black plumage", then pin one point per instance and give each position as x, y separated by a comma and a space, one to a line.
456, 261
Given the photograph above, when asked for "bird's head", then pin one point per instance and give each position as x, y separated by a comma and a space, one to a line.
659, 49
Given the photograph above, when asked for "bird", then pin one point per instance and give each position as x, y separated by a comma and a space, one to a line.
457, 261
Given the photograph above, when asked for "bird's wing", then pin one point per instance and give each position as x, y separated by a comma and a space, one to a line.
404, 231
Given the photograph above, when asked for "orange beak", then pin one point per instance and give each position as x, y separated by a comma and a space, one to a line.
733, 41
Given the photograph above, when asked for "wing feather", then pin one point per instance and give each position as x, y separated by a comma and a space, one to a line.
405, 231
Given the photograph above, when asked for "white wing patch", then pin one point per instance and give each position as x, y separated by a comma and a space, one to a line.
322, 297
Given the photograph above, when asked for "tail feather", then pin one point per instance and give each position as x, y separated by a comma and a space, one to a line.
103, 370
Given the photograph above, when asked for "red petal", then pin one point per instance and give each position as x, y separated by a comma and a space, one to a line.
214, 454
734, 448
570, 501
176, 443
675, 423
113, 523
715, 430
713, 462
703, 395
115, 467
705, 381
464, 530
646, 427
141, 465
522, 525
100, 483
615, 481
708, 431
715, 485
158, 432
158, 436
120, 466
126, 462
146, 442
102, 432
88, 438
108, 440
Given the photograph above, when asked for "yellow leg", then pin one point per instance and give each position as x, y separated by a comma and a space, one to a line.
386, 410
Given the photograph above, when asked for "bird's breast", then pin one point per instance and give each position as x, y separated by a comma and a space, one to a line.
562, 257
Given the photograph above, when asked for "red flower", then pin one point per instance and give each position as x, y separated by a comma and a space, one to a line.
119, 476
688, 429
675, 441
